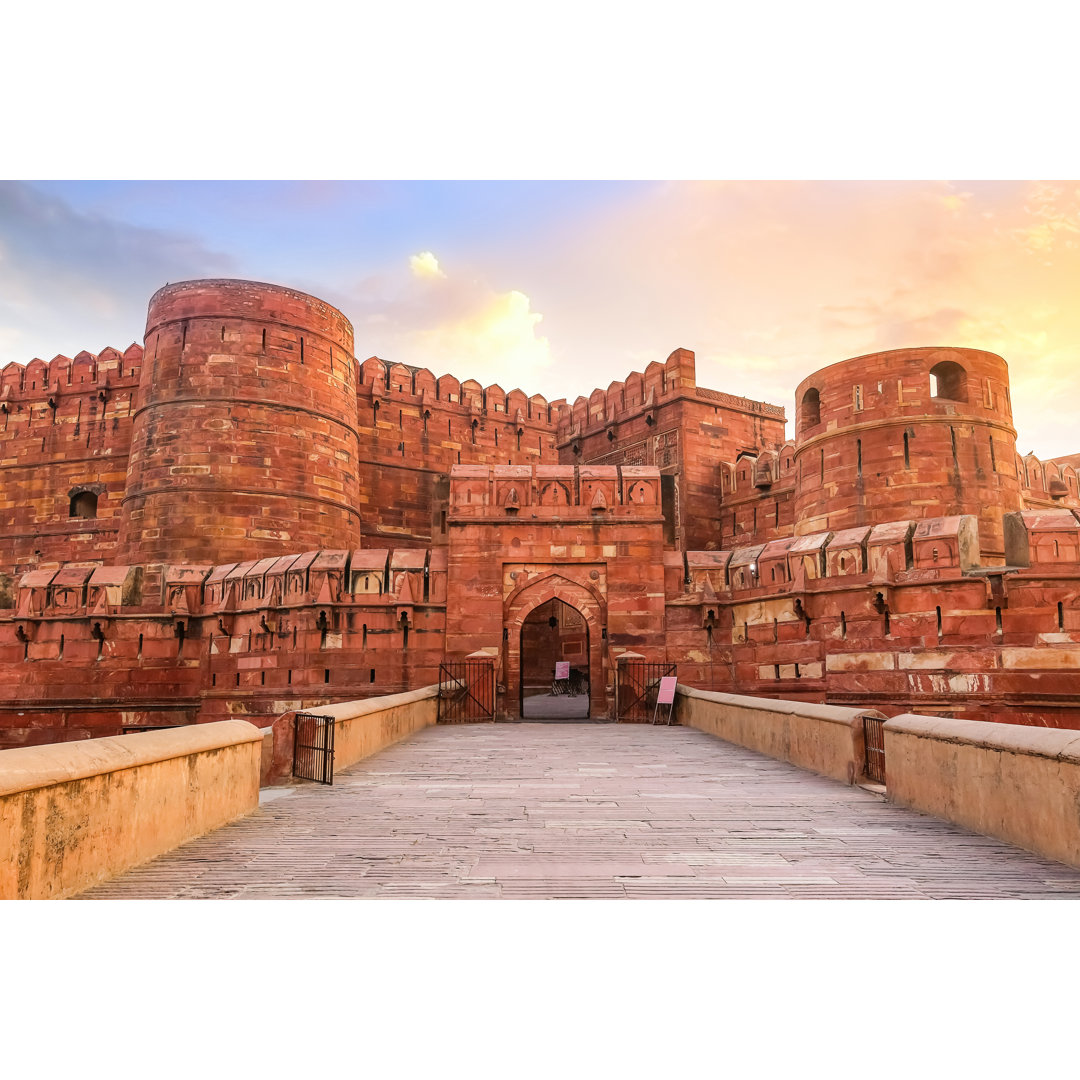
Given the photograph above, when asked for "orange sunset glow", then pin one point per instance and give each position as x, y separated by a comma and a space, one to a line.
561, 287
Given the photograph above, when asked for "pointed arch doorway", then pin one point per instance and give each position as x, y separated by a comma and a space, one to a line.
554, 633
585, 601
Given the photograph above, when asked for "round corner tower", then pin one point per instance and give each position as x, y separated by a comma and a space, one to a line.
908, 433
244, 442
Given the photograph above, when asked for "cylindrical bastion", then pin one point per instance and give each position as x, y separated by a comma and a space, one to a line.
244, 441
908, 433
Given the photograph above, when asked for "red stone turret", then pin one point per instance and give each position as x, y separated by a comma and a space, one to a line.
910, 433
245, 441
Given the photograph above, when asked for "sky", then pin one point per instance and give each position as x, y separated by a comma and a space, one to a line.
559, 287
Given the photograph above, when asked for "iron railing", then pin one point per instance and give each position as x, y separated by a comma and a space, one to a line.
874, 738
313, 748
466, 691
636, 686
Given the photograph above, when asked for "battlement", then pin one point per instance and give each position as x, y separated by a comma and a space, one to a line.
381, 380
65, 374
904, 551
892, 551
641, 391
626, 398
371, 577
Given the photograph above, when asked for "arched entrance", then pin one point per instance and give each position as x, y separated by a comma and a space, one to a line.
554, 633
536, 592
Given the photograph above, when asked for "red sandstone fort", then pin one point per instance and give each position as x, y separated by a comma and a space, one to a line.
239, 519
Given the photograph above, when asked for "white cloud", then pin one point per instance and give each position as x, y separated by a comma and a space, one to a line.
494, 342
456, 324
425, 265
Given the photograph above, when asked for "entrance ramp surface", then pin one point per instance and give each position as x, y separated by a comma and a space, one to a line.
555, 707
608, 811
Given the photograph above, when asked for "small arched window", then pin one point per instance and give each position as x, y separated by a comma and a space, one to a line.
948, 381
811, 409
83, 505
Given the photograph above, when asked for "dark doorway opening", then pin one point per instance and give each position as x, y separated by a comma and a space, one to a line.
554, 633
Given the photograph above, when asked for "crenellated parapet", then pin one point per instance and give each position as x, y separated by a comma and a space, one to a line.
625, 399
895, 550
1044, 539
65, 375
1048, 483
371, 577
389, 383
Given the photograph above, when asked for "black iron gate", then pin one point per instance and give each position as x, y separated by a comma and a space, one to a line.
313, 748
466, 691
636, 687
874, 737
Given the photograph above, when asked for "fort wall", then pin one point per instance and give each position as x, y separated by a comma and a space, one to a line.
65, 434
415, 428
237, 520
896, 617
662, 417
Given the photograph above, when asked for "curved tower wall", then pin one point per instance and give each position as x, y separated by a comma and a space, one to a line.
244, 442
854, 465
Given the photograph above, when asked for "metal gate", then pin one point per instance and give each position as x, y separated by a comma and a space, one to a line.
874, 737
636, 686
313, 748
466, 691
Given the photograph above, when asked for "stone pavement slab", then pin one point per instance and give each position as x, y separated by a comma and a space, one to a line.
600, 811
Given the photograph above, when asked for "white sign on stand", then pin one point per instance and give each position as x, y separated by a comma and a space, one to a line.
665, 696
562, 669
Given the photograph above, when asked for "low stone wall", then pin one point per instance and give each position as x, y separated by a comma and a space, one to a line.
73, 814
826, 739
361, 728
1019, 784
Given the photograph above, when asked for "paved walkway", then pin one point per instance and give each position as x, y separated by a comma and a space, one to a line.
590, 810
555, 707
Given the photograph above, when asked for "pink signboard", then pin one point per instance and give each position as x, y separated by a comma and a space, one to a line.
667, 690
562, 669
